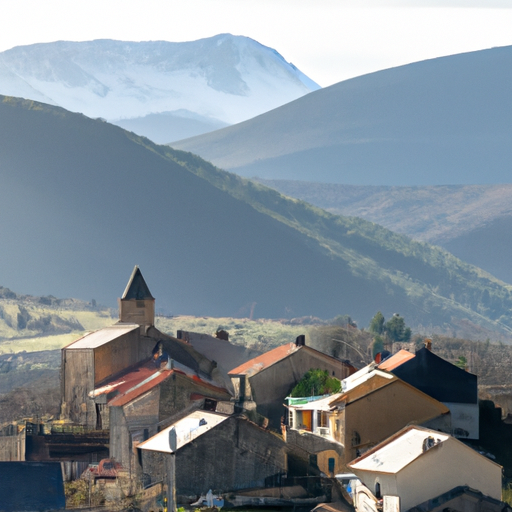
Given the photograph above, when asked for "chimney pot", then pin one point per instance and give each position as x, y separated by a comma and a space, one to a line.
300, 341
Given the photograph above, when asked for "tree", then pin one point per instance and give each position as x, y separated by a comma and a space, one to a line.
343, 321
377, 345
462, 362
393, 330
316, 382
377, 324
396, 330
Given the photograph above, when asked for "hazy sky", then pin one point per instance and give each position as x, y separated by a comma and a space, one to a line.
329, 40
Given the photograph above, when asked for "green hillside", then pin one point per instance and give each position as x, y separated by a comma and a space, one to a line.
428, 275
466, 220
83, 201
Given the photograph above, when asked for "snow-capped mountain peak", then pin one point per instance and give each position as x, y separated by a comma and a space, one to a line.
226, 78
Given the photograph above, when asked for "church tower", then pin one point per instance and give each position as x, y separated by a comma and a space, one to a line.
137, 305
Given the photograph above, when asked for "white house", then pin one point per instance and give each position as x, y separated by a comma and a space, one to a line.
418, 464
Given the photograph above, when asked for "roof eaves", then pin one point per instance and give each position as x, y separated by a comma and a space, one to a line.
386, 441
244, 369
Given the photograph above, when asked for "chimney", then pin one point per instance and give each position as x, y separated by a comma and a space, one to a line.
300, 341
428, 344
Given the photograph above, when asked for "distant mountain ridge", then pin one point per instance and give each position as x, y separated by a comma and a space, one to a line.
83, 201
443, 121
222, 79
473, 222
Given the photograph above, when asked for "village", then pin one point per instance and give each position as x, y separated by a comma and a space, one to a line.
152, 422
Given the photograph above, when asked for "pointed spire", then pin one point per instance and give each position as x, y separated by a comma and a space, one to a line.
137, 288
137, 305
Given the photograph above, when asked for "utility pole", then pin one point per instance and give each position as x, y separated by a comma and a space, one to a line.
171, 472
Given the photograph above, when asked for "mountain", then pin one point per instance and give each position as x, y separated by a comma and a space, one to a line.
443, 121
82, 201
154, 85
166, 126
473, 222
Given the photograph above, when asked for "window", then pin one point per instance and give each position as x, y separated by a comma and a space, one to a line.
322, 419
356, 438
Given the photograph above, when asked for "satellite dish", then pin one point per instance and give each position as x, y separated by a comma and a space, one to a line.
173, 440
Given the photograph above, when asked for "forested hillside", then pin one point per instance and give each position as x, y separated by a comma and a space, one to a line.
95, 200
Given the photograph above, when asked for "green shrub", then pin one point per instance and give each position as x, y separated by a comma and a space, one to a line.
316, 382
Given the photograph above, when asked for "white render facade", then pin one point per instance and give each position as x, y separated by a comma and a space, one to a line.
403, 468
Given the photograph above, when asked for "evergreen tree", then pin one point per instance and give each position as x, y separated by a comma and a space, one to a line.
377, 324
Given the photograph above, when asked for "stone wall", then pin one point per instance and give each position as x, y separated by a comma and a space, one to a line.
236, 454
323, 448
176, 392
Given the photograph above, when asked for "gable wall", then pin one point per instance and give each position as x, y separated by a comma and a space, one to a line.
272, 385
236, 454
439, 378
127, 425
77, 380
119, 354
382, 413
437, 471
444, 467
176, 392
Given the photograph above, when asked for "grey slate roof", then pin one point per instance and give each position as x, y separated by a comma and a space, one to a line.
31, 487
136, 288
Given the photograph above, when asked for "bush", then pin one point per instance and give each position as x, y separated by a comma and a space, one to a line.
316, 382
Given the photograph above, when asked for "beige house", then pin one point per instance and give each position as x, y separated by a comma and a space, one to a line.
418, 464
376, 405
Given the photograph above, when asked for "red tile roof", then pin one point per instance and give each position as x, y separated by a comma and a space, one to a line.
265, 360
396, 360
128, 380
143, 378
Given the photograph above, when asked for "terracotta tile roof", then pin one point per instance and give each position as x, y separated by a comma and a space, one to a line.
141, 379
396, 360
265, 360
128, 379
375, 381
140, 390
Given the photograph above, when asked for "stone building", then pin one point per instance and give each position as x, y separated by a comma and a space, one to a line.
99, 359
264, 382
215, 451
129, 379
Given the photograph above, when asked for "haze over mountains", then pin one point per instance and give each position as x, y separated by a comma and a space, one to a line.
159, 89
83, 201
473, 222
438, 122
